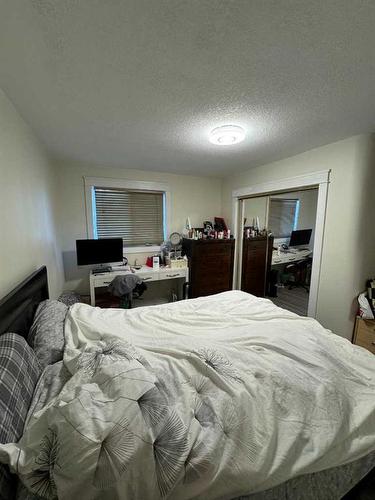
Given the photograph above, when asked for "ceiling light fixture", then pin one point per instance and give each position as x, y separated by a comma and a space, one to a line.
227, 135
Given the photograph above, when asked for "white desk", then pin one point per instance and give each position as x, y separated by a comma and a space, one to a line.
145, 273
291, 256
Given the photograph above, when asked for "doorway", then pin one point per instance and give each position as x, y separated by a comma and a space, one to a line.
289, 208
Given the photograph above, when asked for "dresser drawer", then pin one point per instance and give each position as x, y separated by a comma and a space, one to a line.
215, 249
365, 334
213, 263
255, 245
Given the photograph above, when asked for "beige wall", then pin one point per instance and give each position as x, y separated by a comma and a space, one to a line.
253, 208
196, 197
349, 240
27, 194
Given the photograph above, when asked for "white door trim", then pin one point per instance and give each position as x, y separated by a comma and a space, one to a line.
319, 180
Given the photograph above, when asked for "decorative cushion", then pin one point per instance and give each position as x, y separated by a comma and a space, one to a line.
46, 334
19, 373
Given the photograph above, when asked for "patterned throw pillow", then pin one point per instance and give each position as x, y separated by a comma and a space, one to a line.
19, 373
46, 334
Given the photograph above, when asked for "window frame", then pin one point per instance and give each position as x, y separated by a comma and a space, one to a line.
143, 186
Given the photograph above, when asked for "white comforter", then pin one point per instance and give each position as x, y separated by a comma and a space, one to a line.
208, 398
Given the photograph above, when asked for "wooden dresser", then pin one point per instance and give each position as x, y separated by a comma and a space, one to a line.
256, 264
364, 333
210, 265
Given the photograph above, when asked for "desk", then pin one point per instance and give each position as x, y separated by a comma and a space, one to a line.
145, 273
287, 257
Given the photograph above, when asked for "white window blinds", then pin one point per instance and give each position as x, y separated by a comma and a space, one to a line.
282, 217
135, 216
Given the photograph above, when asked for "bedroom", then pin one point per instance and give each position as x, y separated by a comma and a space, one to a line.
130, 92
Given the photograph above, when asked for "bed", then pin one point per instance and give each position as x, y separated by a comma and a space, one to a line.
218, 398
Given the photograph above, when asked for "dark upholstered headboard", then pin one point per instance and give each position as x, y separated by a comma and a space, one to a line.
17, 309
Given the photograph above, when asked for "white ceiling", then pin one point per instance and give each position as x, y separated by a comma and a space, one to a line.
140, 83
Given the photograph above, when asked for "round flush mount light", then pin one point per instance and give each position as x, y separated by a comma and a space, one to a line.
227, 135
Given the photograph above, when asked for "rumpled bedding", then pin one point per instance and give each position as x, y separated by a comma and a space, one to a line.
209, 398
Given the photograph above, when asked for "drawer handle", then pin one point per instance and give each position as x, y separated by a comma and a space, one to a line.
147, 278
373, 343
172, 275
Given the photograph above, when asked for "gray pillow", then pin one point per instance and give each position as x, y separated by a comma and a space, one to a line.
46, 334
19, 373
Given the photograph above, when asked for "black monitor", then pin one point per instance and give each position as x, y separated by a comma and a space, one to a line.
301, 237
102, 251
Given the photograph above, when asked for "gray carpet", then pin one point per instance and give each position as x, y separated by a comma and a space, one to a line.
295, 300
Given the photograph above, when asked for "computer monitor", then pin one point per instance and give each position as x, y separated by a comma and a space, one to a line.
301, 237
102, 251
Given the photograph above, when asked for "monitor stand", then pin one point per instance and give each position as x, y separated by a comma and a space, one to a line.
102, 269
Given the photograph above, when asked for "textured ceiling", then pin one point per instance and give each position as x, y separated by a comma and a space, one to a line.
139, 83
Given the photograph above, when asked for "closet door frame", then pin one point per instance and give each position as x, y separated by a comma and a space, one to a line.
319, 180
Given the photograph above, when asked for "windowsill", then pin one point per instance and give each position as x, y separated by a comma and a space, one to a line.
142, 249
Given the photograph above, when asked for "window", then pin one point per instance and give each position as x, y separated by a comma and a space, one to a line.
132, 210
283, 216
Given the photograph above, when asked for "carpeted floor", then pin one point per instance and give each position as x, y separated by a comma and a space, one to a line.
295, 300
365, 490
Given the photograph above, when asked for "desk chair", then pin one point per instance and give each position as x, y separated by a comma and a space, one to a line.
301, 272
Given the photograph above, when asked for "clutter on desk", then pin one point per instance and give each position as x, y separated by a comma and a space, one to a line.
366, 301
178, 263
154, 261
171, 249
174, 259
170, 254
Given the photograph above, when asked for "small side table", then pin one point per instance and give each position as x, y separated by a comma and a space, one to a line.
364, 333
